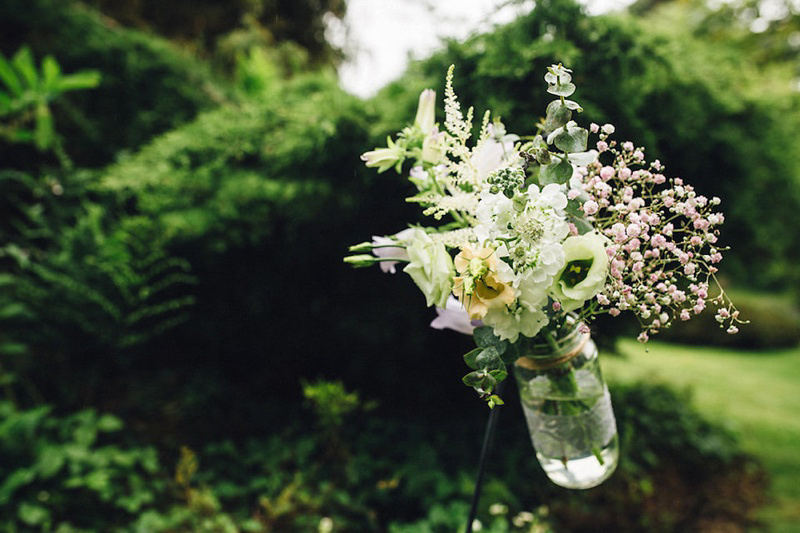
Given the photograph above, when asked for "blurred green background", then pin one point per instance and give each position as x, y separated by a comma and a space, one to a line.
182, 348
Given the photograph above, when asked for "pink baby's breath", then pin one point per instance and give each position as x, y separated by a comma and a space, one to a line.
661, 233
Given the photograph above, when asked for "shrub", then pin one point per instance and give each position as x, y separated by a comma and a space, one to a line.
54, 469
148, 86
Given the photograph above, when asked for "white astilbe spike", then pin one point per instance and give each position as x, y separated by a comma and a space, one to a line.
440, 205
485, 127
454, 119
456, 238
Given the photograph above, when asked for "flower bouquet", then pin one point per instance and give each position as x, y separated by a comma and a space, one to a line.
535, 236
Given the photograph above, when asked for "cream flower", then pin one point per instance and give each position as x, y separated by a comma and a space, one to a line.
431, 268
483, 283
584, 274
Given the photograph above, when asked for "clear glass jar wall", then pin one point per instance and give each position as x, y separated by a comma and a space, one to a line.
568, 408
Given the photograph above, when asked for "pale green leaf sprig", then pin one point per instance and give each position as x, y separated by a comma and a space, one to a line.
489, 363
561, 141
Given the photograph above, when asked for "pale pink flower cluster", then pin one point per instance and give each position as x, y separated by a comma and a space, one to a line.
663, 251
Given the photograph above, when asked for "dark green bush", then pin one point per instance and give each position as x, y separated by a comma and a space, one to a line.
148, 85
678, 472
55, 469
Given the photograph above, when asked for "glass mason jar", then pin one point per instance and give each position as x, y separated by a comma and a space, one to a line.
567, 407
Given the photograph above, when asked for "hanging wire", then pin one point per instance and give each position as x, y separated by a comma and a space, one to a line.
488, 438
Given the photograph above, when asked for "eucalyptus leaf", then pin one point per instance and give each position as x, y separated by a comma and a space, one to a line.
562, 89
583, 159
485, 337
488, 358
473, 379
560, 171
494, 400
470, 356
558, 115
573, 105
488, 383
572, 139
499, 375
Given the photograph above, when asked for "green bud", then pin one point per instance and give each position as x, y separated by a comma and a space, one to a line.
361, 247
360, 261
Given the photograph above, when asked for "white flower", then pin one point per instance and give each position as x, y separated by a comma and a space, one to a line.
510, 324
584, 273
392, 252
491, 155
431, 268
454, 317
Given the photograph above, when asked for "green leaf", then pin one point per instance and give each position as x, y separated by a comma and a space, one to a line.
84, 79
473, 379
5, 103
557, 115
485, 337
50, 73
561, 89
50, 461
499, 375
32, 514
495, 400
17, 479
13, 348
470, 357
489, 383
556, 172
583, 159
24, 65
574, 106
107, 423
488, 358
44, 134
572, 139
9, 77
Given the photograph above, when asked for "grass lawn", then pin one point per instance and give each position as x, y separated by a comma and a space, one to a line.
756, 394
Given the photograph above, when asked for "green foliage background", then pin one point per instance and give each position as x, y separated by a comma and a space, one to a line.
180, 266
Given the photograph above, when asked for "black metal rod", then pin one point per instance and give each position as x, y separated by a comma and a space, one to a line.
488, 437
